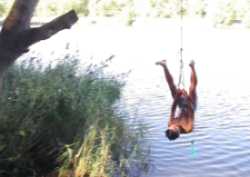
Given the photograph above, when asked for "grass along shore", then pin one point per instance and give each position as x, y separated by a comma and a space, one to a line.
58, 120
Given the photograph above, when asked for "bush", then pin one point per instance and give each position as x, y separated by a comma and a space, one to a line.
59, 111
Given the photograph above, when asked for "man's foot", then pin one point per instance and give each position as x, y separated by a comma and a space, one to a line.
191, 64
162, 62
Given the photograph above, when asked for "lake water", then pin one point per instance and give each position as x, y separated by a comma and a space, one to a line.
221, 137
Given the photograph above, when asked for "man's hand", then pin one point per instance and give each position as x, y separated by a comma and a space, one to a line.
191, 64
161, 63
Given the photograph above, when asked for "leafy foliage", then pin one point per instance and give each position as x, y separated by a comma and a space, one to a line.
5, 6
61, 111
224, 12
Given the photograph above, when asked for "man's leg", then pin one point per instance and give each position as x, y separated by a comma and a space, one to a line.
168, 77
192, 88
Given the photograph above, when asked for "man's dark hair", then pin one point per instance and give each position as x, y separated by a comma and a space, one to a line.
172, 134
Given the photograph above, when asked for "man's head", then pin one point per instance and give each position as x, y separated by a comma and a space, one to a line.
172, 132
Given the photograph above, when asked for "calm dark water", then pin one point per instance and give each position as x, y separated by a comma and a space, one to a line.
221, 137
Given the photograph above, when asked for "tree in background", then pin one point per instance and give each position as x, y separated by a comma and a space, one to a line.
5, 6
2, 8
198, 7
229, 12
55, 7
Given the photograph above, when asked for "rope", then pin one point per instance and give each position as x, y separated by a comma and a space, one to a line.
181, 76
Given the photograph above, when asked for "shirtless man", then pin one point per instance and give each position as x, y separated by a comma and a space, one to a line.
186, 102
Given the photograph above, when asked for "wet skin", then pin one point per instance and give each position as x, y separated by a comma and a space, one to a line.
186, 102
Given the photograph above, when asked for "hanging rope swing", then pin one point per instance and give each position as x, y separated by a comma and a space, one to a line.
181, 75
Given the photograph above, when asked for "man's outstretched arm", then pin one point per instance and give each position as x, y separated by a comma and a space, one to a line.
168, 77
193, 85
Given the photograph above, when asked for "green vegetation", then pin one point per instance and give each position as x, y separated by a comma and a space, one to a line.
4, 7
224, 12
60, 119
228, 13
118, 8
56, 8
233, 11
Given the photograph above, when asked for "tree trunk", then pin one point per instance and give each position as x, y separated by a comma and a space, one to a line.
17, 36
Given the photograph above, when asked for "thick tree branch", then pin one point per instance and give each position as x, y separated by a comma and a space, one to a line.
34, 35
16, 35
19, 16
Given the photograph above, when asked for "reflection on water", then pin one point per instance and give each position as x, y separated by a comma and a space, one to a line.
220, 142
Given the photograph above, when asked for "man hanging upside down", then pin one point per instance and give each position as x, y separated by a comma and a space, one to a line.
186, 102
